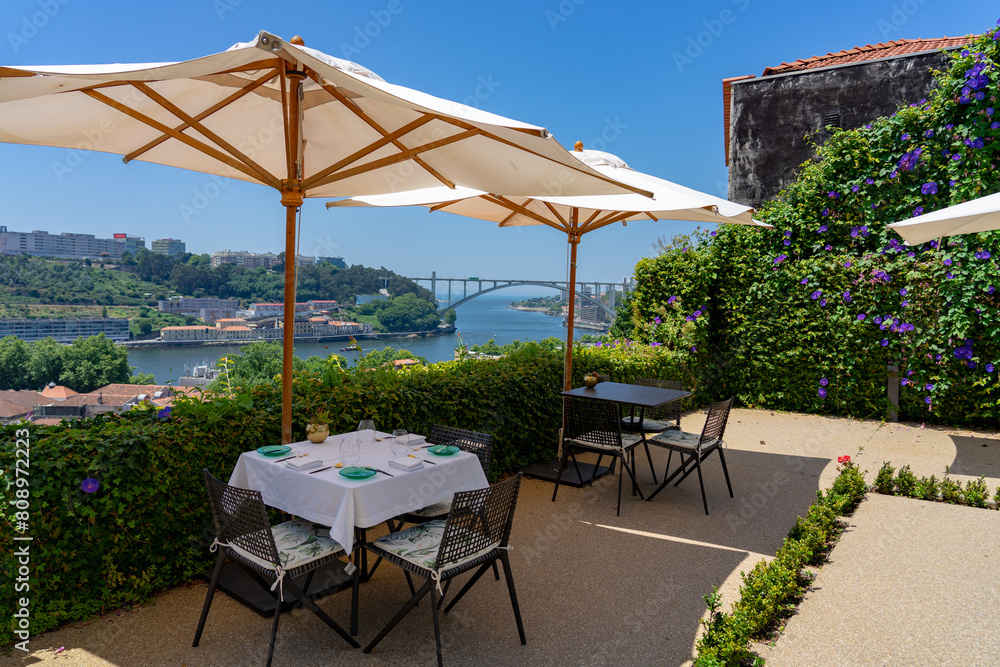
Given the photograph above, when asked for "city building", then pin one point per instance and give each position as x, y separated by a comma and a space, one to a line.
248, 260
771, 122
209, 309
317, 304
65, 330
338, 262
272, 309
61, 246
132, 243
171, 247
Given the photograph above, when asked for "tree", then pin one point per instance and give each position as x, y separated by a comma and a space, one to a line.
409, 313
142, 378
450, 317
46, 362
91, 363
14, 356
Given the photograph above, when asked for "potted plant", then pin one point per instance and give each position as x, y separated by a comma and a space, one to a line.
319, 429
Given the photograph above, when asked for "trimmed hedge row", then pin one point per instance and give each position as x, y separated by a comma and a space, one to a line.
770, 589
148, 526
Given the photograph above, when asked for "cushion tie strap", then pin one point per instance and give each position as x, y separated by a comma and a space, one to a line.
215, 545
279, 574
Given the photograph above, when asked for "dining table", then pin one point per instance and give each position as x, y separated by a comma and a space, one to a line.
323, 495
635, 396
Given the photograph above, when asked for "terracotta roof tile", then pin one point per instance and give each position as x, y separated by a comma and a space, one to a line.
897, 47
58, 392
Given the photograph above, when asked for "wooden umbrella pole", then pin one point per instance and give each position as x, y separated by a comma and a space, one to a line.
574, 241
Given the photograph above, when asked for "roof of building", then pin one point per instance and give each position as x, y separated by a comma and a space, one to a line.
186, 328
120, 394
899, 47
236, 328
15, 403
230, 319
47, 421
58, 392
858, 54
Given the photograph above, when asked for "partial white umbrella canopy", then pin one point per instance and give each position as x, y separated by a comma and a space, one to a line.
292, 118
975, 215
575, 215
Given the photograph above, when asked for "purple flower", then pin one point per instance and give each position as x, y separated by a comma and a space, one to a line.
985, 254
90, 485
949, 275
989, 368
822, 392
905, 137
696, 314
947, 261
864, 228
815, 295
825, 212
927, 400
824, 381
672, 299
929, 387
918, 211
780, 258
822, 302
804, 281
847, 264
786, 242
869, 181
878, 320
828, 247
822, 229
164, 413
929, 188
991, 289
847, 297
904, 304
855, 188
972, 364
655, 344
861, 316
833, 194
902, 292
994, 125
885, 341
656, 319
788, 232
689, 318
929, 133
713, 233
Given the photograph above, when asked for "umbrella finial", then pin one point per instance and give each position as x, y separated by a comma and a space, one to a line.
578, 146
297, 41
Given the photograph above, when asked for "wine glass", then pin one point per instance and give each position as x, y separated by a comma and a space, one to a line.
400, 442
366, 432
350, 450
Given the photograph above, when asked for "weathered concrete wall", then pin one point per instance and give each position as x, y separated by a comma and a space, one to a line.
774, 117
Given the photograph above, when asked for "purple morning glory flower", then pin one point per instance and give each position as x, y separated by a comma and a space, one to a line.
861, 316
905, 136
904, 304
815, 295
847, 297
696, 314
949, 275
904, 382
929, 133
893, 174
989, 368
929, 387
869, 181
804, 281
828, 247
780, 258
822, 392
164, 413
972, 364
825, 212
855, 188
927, 400
822, 302
864, 228
672, 299
786, 242
689, 318
918, 211
713, 233
878, 320
985, 254
902, 292
885, 341
824, 381
947, 261
994, 125
822, 229
90, 485
788, 232
847, 264
656, 319
929, 188
833, 194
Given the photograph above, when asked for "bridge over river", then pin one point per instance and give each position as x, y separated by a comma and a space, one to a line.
586, 291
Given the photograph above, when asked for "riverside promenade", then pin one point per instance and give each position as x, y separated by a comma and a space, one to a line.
910, 583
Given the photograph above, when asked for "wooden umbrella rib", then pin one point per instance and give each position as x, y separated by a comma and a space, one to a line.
193, 123
330, 173
442, 205
581, 168
610, 219
528, 213
392, 159
375, 125
180, 136
202, 116
552, 209
591, 218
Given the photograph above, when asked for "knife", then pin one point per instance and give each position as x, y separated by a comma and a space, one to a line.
377, 470
313, 472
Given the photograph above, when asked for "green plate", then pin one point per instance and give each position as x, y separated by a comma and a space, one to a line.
274, 450
443, 450
355, 472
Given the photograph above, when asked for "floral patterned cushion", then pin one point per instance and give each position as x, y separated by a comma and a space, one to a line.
649, 425
628, 439
420, 544
437, 509
677, 439
299, 542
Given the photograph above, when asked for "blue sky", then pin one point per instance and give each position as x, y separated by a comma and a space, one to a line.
639, 79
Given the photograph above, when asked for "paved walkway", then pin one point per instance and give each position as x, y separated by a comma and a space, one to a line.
600, 589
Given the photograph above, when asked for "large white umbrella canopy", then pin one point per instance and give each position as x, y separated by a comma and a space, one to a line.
976, 215
290, 117
575, 215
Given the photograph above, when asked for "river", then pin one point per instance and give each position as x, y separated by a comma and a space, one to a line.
478, 321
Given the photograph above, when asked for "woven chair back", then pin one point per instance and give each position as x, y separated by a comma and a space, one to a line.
670, 411
715, 424
478, 520
480, 444
241, 519
589, 420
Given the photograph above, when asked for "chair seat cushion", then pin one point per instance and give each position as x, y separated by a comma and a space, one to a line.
437, 509
299, 542
648, 425
628, 440
420, 544
678, 440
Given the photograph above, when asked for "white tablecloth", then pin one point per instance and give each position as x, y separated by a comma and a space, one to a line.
330, 499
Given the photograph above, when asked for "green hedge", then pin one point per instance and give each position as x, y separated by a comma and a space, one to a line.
808, 316
148, 526
771, 589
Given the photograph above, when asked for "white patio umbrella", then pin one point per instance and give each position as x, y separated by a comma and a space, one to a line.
575, 215
290, 117
975, 215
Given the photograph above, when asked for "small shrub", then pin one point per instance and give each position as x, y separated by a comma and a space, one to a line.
906, 483
883, 481
951, 491
927, 488
725, 639
976, 493
996, 499
850, 484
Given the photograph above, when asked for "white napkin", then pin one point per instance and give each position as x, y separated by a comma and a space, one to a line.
417, 440
303, 463
406, 463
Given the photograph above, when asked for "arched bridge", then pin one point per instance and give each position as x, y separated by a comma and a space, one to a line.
586, 291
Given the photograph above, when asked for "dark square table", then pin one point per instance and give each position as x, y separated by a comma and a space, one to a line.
634, 395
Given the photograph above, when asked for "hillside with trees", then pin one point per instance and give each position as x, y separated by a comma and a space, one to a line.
86, 365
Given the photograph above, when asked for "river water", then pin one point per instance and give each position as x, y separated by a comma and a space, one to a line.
478, 321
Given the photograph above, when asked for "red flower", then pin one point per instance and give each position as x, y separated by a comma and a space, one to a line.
841, 460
